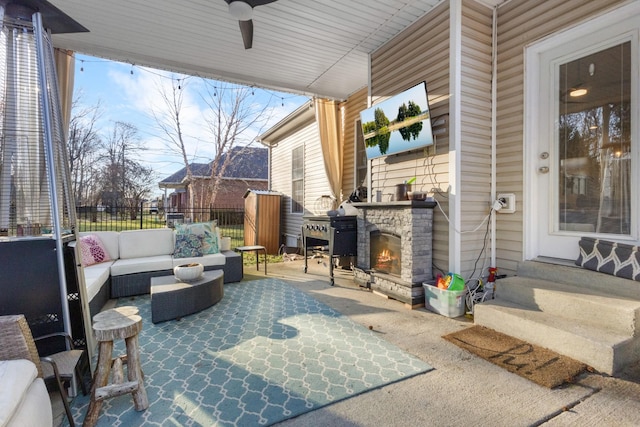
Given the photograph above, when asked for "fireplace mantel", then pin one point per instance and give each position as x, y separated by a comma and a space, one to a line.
427, 204
412, 220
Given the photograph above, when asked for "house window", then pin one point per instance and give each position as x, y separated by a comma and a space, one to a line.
361, 157
297, 180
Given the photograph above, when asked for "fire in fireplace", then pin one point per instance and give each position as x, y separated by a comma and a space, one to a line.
386, 254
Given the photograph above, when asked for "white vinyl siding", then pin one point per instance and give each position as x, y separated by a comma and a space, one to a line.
281, 173
521, 23
301, 132
420, 53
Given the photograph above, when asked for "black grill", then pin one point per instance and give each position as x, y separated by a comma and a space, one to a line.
339, 233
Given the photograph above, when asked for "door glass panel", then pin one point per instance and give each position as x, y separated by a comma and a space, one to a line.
594, 142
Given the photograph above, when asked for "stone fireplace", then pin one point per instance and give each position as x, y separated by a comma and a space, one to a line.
394, 248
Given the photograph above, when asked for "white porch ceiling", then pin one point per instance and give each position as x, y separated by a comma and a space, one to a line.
312, 47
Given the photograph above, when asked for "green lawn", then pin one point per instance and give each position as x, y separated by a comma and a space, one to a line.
103, 221
249, 258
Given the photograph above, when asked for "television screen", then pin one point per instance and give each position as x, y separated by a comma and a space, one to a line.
400, 123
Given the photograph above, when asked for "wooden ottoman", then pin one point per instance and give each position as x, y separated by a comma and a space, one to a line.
171, 298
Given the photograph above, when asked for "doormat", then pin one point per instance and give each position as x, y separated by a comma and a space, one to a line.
540, 365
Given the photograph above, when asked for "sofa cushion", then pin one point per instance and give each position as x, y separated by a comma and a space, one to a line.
95, 276
16, 377
187, 246
146, 243
141, 265
110, 240
35, 409
207, 230
92, 250
206, 260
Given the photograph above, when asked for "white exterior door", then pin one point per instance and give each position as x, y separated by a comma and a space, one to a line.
582, 144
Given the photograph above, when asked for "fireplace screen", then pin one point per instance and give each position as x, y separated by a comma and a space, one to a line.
386, 254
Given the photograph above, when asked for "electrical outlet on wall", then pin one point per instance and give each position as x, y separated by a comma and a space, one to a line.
507, 201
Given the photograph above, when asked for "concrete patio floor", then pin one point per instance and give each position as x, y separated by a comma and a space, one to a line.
462, 389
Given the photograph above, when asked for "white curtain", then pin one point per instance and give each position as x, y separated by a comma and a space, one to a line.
329, 123
65, 67
615, 193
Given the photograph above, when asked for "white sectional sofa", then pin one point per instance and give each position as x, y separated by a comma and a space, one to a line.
24, 400
138, 255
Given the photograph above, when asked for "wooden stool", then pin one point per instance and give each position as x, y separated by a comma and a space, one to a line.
123, 323
127, 310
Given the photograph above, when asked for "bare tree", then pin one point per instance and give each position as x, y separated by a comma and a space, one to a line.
82, 146
233, 118
168, 119
141, 180
123, 176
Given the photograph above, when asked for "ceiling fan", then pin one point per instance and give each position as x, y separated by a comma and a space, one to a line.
242, 10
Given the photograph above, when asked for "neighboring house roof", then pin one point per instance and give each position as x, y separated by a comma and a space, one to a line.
179, 176
249, 163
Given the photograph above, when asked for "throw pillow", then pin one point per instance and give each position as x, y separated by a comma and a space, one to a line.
92, 250
187, 246
207, 230
617, 259
219, 238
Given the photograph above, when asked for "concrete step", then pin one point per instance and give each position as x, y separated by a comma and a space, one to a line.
589, 316
572, 274
596, 307
601, 348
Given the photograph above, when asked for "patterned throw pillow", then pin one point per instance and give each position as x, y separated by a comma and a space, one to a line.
208, 232
187, 246
92, 250
617, 259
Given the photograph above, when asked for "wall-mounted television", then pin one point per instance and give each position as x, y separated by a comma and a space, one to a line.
397, 124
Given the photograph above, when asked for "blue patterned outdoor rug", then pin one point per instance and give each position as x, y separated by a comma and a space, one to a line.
265, 353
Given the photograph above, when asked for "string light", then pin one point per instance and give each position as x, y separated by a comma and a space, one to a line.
161, 75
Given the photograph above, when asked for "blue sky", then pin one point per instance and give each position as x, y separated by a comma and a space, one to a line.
128, 93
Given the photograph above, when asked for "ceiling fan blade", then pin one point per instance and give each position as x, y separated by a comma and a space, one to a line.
246, 28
